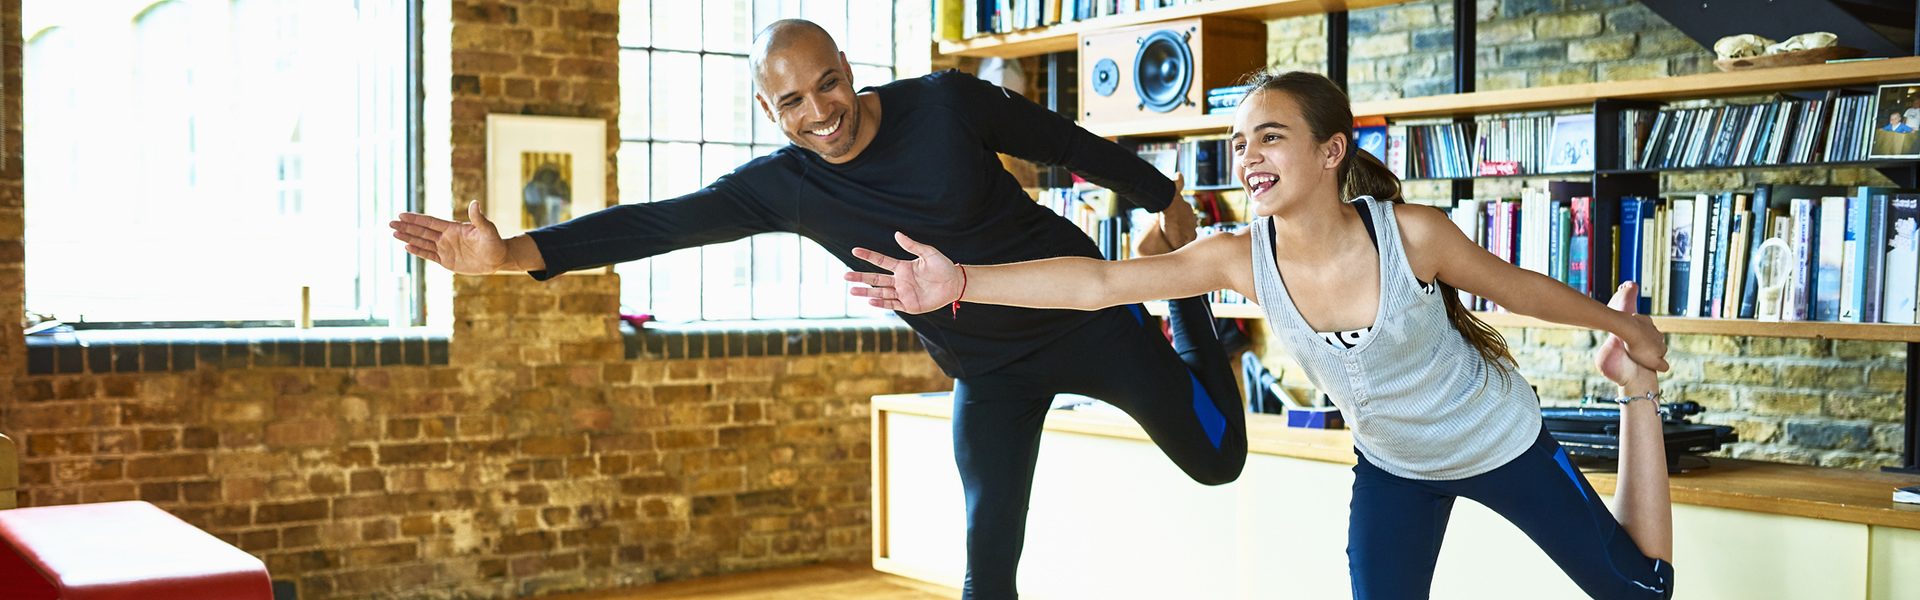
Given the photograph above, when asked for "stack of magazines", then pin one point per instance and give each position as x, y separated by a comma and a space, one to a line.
1909, 494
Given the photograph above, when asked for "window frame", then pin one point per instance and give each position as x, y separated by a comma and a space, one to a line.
409, 168
802, 252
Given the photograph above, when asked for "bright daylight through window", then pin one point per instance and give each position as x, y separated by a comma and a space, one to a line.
204, 160
687, 116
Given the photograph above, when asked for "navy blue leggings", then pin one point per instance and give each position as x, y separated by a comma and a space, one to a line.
1394, 532
1183, 395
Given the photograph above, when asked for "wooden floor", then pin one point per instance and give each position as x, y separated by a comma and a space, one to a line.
828, 581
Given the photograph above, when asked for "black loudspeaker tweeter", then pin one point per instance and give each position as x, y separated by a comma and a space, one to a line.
1167, 67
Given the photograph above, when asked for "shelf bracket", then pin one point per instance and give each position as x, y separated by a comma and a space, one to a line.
1464, 46
1337, 48
1910, 456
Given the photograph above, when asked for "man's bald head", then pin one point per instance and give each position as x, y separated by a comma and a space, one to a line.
788, 35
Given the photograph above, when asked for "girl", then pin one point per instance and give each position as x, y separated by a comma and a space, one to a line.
1362, 295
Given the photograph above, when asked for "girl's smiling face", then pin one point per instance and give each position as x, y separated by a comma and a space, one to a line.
1275, 157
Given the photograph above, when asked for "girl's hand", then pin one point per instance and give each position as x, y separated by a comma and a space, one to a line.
1619, 361
917, 286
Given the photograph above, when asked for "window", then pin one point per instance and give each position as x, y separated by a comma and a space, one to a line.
687, 116
204, 160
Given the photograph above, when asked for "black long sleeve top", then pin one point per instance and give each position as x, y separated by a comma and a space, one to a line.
930, 172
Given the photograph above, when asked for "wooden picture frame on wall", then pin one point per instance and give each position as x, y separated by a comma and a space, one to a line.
544, 170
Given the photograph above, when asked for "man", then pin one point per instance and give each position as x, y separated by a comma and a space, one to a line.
918, 156
1895, 125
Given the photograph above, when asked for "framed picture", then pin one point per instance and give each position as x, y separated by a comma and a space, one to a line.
1896, 122
544, 170
1571, 147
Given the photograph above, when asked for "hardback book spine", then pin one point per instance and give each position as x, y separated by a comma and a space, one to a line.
1648, 260
1874, 253
1721, 218
1662, 258
1795, 305
1702, 265
1579, 267
1681, 238
1902, 259
1853, 267
1829, 254
1630, 240
1556, 265
1737, 245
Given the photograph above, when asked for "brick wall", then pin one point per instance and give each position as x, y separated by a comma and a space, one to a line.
538, 460
1830, 403
13, 278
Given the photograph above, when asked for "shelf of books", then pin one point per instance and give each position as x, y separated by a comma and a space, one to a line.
1020, 28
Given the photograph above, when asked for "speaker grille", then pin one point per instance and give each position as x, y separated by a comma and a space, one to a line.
1163, 70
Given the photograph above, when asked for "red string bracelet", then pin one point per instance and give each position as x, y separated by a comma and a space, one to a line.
963, 290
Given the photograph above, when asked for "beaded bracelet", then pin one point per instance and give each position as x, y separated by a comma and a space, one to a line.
963, 290
1654, 395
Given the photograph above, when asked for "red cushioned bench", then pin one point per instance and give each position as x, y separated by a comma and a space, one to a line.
120, 551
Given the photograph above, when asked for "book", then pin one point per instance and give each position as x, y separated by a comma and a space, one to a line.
1466, 216
1853, 264
1630, 233
1580, 247
1874, 256
1719, 225
1697, 276
1737, 247
1794, 307
1556, 245
1372, 139
1396, 157
1649, 260
1663, 257
1598, 248
1680, 255
1757, 214
1902, 259
1909, 494
1828, 259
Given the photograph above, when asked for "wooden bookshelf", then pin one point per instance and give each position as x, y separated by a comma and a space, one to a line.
1063, 37
1876, 332
1704, 85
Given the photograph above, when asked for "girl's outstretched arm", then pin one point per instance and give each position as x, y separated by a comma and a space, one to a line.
932, 281
1434, 240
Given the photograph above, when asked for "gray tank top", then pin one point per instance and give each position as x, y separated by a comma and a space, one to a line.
1421, 401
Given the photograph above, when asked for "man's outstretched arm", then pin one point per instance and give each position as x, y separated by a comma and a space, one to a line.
474, 248
617, 234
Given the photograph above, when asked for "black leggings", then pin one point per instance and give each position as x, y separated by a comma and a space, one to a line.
1184, 396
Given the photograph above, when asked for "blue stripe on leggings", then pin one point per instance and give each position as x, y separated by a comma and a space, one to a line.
1560, 456
1210, 418
1137, 316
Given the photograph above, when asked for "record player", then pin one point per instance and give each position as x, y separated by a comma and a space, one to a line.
1593, 433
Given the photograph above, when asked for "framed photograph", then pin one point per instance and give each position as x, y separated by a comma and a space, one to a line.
544, 170
1571, 147
1896, 122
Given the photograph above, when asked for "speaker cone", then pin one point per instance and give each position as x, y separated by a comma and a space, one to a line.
1163, 70
1106, 77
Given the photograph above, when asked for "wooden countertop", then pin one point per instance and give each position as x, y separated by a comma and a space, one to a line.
1846, 495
